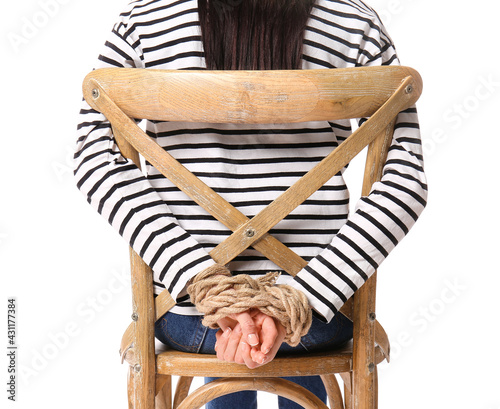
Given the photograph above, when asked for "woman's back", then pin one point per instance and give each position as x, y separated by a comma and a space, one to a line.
248, 165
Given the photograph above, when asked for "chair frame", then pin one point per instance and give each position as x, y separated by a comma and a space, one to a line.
379, 93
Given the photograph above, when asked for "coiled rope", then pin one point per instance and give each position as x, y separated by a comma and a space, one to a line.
217, 294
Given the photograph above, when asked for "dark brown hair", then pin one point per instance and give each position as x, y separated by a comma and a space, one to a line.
253, 34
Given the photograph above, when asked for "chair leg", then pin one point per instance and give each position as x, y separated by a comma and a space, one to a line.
346, 378
333, 391
182, 390
130, 387
365, 390
163, 399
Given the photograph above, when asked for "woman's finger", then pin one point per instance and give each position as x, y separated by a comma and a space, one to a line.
222, 340
248, 327
232, 345
261, 358
268, 334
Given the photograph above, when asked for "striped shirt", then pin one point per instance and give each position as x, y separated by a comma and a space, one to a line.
251, 165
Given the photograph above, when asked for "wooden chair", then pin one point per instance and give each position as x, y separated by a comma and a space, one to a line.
253, 97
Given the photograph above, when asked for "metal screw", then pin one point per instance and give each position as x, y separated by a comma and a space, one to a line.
250, 233
137, 368
409, 89
371, 367
135, 316
95, 93
372, 316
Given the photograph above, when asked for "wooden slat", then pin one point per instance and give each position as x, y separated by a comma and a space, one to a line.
184, 364
171, 362
163, 399
130, 388
333, 391
251, 96
143, 304
281, 387
365, 326
364, 362
182, 390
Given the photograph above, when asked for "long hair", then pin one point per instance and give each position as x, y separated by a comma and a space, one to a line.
253, 34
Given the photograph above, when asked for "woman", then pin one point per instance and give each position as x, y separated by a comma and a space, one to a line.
250, 166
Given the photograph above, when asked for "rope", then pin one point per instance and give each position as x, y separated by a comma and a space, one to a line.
217, 294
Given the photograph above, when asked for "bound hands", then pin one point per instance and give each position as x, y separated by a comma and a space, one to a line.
251, 338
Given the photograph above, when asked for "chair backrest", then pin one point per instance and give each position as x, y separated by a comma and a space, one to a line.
250, 96
255, 97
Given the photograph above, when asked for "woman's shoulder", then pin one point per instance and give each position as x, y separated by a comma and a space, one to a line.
352, 14
357, 7
142, 8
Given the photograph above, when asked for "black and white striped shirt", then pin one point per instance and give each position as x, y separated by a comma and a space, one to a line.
251, 165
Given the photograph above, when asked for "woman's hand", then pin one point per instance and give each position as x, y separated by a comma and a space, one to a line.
251, 338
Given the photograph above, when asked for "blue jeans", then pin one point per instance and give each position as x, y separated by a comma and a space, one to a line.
186, 333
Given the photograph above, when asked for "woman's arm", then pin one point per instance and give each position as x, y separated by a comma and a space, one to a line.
381, 219
118, 190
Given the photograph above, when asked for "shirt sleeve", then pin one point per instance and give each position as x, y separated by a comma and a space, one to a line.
118, 190
381, 219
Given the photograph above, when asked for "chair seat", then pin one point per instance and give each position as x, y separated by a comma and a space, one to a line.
171, 362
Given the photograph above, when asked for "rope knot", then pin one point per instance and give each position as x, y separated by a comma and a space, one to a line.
217, 294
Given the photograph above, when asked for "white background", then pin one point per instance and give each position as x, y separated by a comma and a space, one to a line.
68, 270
